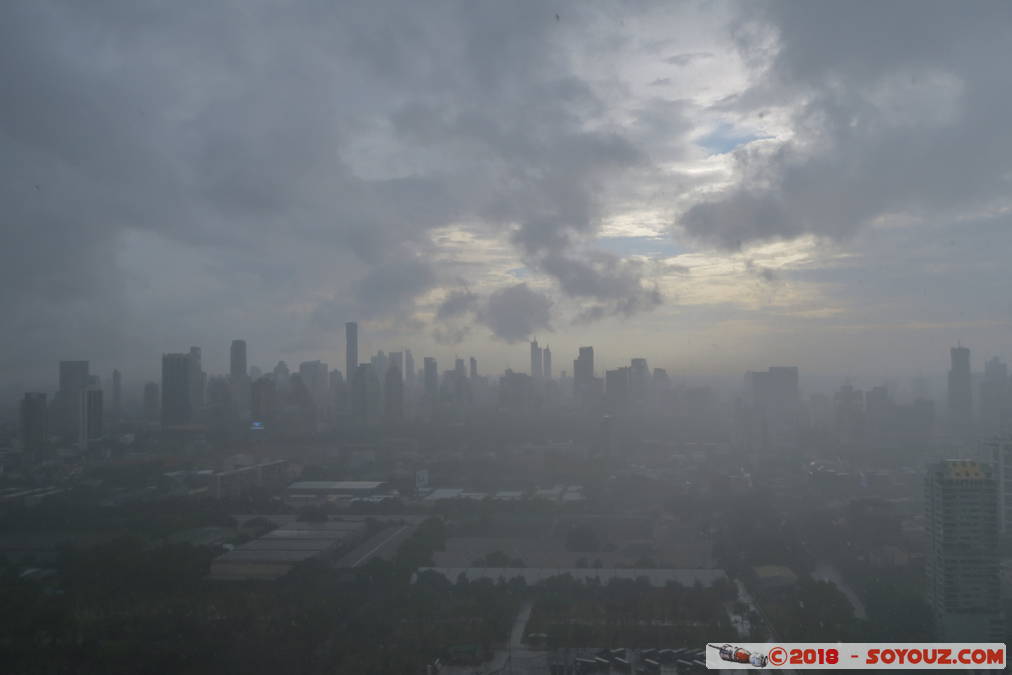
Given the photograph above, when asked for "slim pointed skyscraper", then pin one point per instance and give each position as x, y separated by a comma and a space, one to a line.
536, 363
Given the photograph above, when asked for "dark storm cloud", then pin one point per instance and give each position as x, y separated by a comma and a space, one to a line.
456, 303
325, 139
898, 111
516, 312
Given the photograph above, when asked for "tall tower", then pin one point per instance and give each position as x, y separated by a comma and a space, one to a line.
74, 380
583, 372
409, 369
176, 406
536, 367
237, 361
117, 394
197, 378
960, 393
964, 560
546, 362
473, 368
431, 377
350, 348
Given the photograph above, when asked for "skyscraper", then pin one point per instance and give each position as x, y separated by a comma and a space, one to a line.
366, 399
617, 388
316, 376
237, 360
536, 365
639, 379
396, 359
583, 373
409, 369
994, 398
34, 429
473, 374
546, 362
350, 348
1000, 450
964, 561
393, 395
69, 404
176, 407
960, 393
431, 377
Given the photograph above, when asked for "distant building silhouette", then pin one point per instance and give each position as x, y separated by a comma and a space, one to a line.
117, 395
639, 380
350, 348
176, 407
69, 402
960, 393
995, 399
546, 362
237, 360
537, 370
616, 388
264, 400
583, 374
473, 374
198, 380
393, 395
366, 398
94, 416
431, 377
964, 563
409, 369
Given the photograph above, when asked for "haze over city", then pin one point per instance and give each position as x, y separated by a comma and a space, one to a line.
469, 336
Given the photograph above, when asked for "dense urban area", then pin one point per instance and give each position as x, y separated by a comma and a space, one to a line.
299, 520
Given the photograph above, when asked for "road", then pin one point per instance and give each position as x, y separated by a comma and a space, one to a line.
383, 544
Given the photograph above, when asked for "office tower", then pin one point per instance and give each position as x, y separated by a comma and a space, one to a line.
583, 373
237, 360
393, 395
339, 395
1000, 451
960, 393
74, 379
458, 368
350, 348
93, 414
994, 398
34, 425
964, 560
617, 388
639, 379
152, 401
197, 382
546, 362
431, 377
536, 362
409, 369
176, 407
396, 359
366, 399
264, 400
473, 368
117, 394
316, 377
282, 378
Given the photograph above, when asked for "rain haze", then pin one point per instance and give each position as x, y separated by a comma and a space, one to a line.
515, 285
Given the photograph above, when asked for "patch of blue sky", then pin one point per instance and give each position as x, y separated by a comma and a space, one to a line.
726, 138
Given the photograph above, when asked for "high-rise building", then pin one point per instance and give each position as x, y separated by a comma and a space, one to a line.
546, 362
339, 394
198, 379
964, 562
74, 380
536, 361
995, 399
583, 373
34, 429
282, 377
366, 398
316, 376
431, 377
237, 360
1000, 451
176, 407
393, 395
152, 401
960, 393
395, 359
350, 348
473, 374
117, 394
409, 369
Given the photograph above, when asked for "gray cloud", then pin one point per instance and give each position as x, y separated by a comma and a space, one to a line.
516, 312
901, 111
687, 58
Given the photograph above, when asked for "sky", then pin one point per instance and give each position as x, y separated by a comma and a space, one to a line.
716, 186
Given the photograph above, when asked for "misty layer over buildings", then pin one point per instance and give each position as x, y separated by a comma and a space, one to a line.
481, 336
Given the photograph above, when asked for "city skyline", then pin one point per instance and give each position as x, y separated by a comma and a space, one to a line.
697, 198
